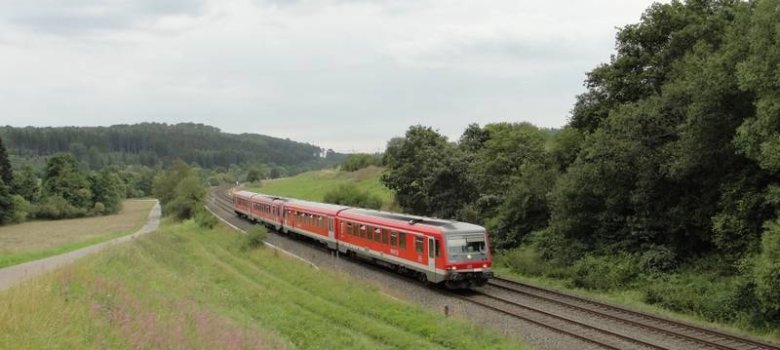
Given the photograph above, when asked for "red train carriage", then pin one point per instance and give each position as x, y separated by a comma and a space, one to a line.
438, 251
242, 203
262, 209
312, 219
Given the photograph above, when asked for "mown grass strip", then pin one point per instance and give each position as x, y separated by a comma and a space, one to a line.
10, 259
29, 241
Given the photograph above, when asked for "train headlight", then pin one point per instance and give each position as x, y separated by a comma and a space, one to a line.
484, 265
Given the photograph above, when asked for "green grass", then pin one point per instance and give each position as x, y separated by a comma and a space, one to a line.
188, 287
313, 185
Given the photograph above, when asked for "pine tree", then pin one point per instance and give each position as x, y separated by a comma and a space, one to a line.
6, 173
6, 178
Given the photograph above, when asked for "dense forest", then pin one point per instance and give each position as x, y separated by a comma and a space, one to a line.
666, 178
156, 145
56, 173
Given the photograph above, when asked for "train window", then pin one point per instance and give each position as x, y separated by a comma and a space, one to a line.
384, 236
369, 233
349, 228
377, 235
394, 239
418, 244
438, 250
402, 240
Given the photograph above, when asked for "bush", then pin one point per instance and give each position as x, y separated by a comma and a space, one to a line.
99, 208
21, 208
553, 246
359, 161
527, 261
182, 208
658, 259
187, 198
767, 270
255, 237
205, 219
604, 272
348, 194
56, 207
716, 298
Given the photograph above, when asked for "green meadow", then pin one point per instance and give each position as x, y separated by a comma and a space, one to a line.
313, 185
190, 287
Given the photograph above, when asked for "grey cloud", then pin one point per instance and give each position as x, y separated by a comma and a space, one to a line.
85, 16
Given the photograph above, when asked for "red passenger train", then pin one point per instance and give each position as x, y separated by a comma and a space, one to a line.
452, 253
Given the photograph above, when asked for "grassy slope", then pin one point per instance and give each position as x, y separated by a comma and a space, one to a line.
313, 185
186, 287
39, 239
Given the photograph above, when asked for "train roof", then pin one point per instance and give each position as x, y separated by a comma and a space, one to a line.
246, 194
446, 227
323, 207
250, 194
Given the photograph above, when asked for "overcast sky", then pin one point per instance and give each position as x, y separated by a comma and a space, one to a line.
342, 74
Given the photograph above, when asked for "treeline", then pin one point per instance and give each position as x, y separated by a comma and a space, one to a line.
63, 191
56, 173
157, 145
667, 177
67, 189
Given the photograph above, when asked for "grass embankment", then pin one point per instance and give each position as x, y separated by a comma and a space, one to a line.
188, 287
313, 185
39, 239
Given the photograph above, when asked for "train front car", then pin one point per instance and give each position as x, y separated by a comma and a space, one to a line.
468, 261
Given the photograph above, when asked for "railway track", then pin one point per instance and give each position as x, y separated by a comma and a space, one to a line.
694, 336
543, 307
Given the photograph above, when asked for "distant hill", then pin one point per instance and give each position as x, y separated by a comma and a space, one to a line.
155, 144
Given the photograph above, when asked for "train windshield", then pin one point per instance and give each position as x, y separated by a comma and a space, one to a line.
469, 247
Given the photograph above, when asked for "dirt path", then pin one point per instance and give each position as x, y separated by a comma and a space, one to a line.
13, 275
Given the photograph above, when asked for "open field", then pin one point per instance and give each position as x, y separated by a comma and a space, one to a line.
313, 185
186, 287
38, 239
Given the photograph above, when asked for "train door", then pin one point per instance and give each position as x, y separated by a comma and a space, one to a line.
431, 256
283, 223
332, 234
331, 228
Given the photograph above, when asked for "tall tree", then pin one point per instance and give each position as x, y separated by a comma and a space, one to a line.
64, 178
108, 190
6, 172
27, 184
659, 163
7, 208
427, 173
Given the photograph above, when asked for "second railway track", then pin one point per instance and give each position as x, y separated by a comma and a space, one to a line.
696, 337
